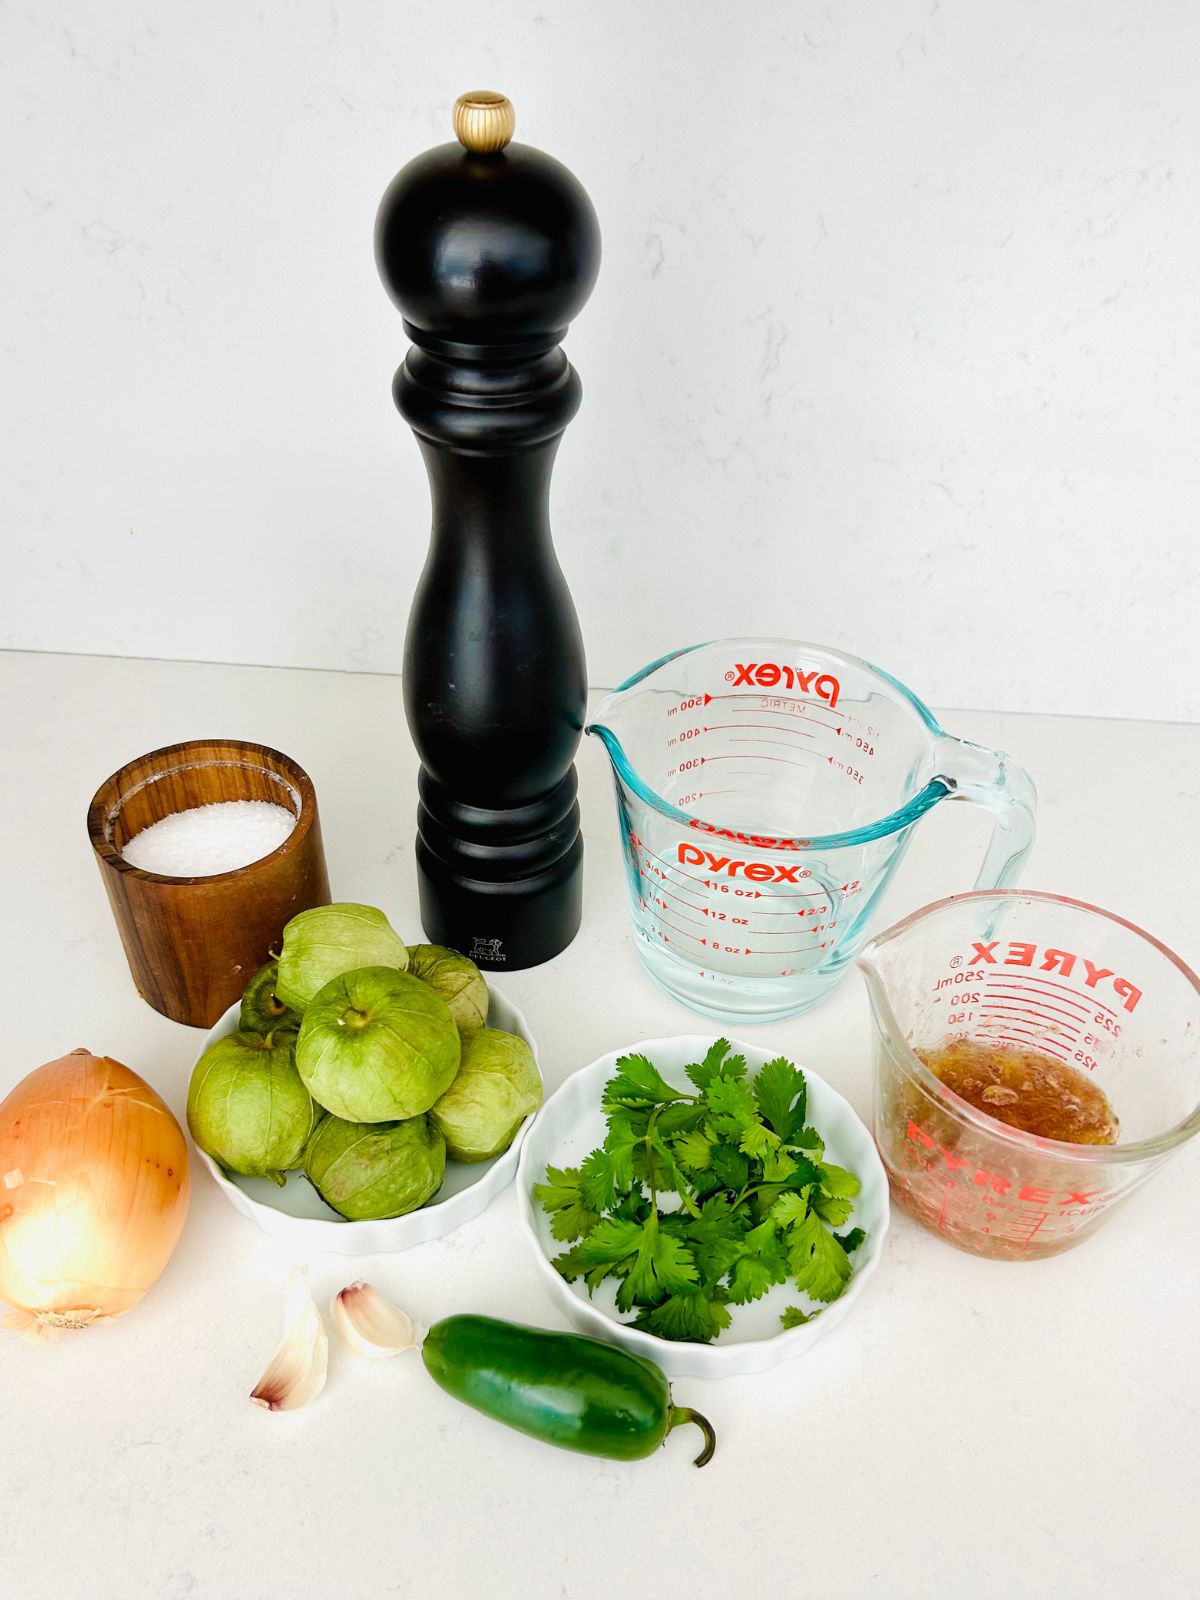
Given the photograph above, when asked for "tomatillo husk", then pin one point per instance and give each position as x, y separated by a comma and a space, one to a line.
456, 978
247, 1105
321, 944
377, 1045
375, 1169
497, 1086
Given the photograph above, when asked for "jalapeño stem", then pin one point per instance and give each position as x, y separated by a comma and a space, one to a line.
684, 1414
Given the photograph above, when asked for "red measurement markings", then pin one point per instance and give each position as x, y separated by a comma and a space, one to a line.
1025, 1234
1081, 1000
658, 917
782, 760
713, 727
1037, 1038
649, 905
1004, 984
1042, 1016
675, 891
1007, 992
805, 911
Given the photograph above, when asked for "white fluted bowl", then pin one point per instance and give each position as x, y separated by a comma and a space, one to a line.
297, 1214
571, 1124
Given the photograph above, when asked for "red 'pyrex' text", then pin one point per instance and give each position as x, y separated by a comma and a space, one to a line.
768, 675
1018, 954
755, 871
993, 1182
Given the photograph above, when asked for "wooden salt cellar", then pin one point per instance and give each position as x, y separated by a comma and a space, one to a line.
193, 943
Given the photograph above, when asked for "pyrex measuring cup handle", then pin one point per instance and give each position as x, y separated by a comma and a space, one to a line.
994, 781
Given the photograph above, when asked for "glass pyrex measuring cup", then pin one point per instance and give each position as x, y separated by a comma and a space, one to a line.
1040, 973
766, 791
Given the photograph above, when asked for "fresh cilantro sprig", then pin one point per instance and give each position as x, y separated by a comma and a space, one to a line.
748, 1200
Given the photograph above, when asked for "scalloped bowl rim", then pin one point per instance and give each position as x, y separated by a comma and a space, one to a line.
729, 1357
383, 1234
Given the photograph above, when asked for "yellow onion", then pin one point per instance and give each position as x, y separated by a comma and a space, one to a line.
93, 1192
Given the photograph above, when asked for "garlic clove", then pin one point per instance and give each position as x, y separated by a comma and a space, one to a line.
296, 1372
370, 1324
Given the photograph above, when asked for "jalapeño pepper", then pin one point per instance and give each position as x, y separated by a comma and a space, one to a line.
563, 1388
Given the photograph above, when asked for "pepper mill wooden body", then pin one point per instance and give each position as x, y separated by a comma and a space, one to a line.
489, 249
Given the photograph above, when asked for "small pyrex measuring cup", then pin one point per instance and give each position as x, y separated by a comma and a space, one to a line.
1046, 974
766, 791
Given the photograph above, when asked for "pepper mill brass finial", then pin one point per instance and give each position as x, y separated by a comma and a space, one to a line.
484, 121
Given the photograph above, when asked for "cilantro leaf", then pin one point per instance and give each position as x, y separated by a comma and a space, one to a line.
833, 1201
782, 1097
675, 1118
569, 1266
696, 1317
652, 1162
637, 1083
613, 1242
620, 1141
716, 1237
836, 1180
804, 1173
693, 1150
634, 1207
789, 1209
730, 1166
831, 1208
778, 1166
570, 1215
663, 1266
764, 1264
793, 1317
731, 1104
598, 1181
851, 1241
750, 1279
757, 1140
819, 1265
703, 1072
808, 1139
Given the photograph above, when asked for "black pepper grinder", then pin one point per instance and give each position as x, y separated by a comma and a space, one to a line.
489, 249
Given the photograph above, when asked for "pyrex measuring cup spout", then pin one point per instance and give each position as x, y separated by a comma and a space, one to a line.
994, 781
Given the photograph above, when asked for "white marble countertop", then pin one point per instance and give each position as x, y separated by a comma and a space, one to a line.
975, 1428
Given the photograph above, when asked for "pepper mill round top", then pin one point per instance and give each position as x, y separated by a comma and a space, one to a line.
484, 241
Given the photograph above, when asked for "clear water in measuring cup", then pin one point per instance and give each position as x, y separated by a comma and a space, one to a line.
1032, 972
766, 790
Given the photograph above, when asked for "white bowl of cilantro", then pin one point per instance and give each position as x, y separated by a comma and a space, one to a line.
702, 1203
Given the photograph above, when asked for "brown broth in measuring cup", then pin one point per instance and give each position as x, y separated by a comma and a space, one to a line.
1025, 1089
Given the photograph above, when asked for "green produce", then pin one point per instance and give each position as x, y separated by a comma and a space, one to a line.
247, 1106
755, 1201
375, 1169
571, 1391
497, 1086
377, 1045
328, 940
456, 978
262, 1010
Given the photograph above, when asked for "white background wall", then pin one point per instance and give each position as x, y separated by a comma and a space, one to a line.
896, 343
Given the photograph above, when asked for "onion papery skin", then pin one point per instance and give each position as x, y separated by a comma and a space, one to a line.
93, 1191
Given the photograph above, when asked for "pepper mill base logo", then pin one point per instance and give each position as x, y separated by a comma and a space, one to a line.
487, 950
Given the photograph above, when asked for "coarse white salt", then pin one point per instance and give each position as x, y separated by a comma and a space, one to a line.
210, 839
